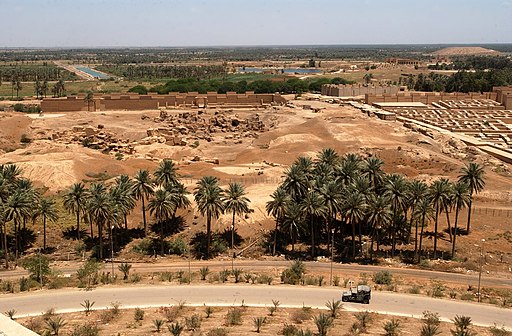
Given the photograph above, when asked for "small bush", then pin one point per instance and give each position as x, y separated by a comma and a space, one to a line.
223, 275
336, 281
193, 322
301, 315
87, 304
334, 307
237, 273
165, 276
208, 311
265, 279
234, 317
158, 324
364, 319
392, 327
383, 278
259, 322
138, 315
430, 318
496, 331
25, 284
217, 332
10, 313
175, 329
85, 330
294, 273
467, 297
438, 288
135, 278
204, 271
323, 322
414, 290
289, 330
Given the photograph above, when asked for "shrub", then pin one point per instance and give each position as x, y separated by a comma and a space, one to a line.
165, 276
265, 279
383, 278
208, 311
85, 330
495, 331
204, 271
193, 322
429, 330
135, 278
170, 313
36, 325
158, 323
217, 332
334, 307
125, 269
10, 313
55, 325
438, 288
138, 315
323, 322
177, 246
259, 322
289, 330
320, 280
234, 317
430, 318
462, 324
88, 273
414, 290
336, 281
294, 273
237, 273
25, 284
224, 275
175, 329
38, 267
7, 286
87, 304
364, 319
392, 327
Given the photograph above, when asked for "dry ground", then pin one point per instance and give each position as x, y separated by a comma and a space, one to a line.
124, 323
260, 162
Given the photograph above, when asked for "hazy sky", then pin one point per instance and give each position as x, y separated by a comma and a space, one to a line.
82, 23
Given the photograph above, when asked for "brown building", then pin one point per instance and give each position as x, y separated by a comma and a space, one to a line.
154, 101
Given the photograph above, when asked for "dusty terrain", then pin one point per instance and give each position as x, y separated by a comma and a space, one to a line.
258, 159
464, 51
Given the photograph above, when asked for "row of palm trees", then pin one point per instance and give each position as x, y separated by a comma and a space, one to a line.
318, 197
322, 196
108, 206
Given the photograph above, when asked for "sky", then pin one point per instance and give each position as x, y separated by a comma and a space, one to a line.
174, 23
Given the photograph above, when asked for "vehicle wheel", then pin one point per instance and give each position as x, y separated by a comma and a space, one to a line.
344, 299
366, 301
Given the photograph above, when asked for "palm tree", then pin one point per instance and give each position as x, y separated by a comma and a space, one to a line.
447, 203
396, 189
142, 188
460, 199
74, 201
379, 214
123, 198
17, 206
372, 169
353, 207
296, 182
89, 98
314, 206
473, 175
439, 196
293, 221
101, 210
46, 208
208, 196
331, 193
236, 202
277, 208
329, 157
26, 185
423, 211
162, 206
417, 191
179, 195
166, 174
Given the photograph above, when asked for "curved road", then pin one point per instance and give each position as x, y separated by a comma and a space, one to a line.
252, 295
254, 265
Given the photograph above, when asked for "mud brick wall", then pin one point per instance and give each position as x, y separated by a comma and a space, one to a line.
426, 97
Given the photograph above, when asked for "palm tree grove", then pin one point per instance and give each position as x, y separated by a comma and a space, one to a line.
345, 205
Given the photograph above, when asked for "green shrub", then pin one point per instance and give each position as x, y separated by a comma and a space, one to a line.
204, 271
364, 319
438, 288
383, 278
175, 329
165, 276
294, 273
289, 330
177, 246
25, 284
85, 330
259, 322
223, 275
138, 314
237, 273
217, 332
193, 322
265, 279
323, 322
234, 317
467, 297
392, 327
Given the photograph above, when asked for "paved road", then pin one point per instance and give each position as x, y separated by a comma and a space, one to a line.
340, 269
253, 295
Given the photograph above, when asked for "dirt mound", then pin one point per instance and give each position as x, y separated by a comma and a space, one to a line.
463, 51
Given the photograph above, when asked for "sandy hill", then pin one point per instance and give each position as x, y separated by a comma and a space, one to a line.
463, 51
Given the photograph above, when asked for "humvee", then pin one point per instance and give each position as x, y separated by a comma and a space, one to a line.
361, 293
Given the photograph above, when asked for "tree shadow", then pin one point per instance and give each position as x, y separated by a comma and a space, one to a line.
171, 227
70, 233
226, 236
199, 245
460, 231
27, 238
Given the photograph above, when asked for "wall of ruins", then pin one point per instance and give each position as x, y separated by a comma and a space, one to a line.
154, 101
504, 96
426, 97
357, 90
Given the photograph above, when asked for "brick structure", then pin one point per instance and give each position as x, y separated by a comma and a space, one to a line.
135, 101
427, 97
504, 96
403, 61
357, 90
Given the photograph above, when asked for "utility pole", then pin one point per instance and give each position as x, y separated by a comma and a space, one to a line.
332, 252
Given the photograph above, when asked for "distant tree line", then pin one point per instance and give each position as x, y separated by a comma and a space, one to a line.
462, 81
132, 72
31, 73
293, 85
475, 63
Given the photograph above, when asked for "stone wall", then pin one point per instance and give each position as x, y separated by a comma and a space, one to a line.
155, 101
357, 90
504, 96
426, 97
